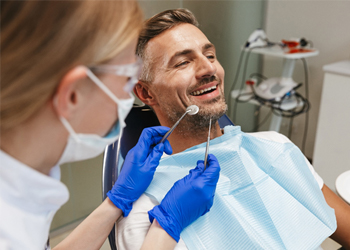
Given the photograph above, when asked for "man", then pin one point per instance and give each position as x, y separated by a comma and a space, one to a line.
268, 195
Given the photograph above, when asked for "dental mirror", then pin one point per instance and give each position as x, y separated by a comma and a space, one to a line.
191, 110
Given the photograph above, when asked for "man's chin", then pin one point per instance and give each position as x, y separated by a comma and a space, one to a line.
215, 107
213, 114
207, 112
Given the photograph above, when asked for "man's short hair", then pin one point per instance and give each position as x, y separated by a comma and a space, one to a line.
155, 26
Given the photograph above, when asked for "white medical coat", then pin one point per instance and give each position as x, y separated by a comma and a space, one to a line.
28, 202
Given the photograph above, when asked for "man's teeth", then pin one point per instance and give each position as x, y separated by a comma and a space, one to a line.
199, 92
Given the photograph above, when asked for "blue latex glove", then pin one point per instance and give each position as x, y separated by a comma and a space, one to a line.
138, 169
189, 198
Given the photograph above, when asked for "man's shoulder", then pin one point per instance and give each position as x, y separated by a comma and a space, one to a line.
270, 136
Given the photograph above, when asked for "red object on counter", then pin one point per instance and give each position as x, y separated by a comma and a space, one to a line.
290, 44
249, 82
299, 50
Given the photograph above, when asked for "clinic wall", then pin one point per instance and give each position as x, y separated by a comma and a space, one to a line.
326, 24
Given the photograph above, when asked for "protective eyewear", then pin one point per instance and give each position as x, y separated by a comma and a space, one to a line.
131, 70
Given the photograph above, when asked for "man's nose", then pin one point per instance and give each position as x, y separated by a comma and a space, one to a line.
205, 68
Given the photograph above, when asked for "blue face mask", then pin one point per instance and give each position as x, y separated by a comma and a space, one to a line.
266, 197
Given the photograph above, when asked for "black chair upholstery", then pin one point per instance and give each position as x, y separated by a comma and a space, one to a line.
140, 117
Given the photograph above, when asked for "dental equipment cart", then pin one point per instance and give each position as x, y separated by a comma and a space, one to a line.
287, 73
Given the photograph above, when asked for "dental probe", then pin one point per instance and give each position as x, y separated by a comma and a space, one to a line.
207, 147
191, 110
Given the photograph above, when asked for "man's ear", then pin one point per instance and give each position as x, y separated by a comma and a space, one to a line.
66, 97
142, 91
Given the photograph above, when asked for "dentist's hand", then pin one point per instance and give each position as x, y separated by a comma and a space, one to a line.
189, 198
139, 167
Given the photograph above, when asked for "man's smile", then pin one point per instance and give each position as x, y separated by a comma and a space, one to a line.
208, 91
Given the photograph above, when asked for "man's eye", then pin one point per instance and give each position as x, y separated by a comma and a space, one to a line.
211, 57
181, 64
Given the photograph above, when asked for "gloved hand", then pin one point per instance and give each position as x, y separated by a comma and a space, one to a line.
139, 166
189, 198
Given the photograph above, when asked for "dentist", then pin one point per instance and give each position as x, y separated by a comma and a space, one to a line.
67, 69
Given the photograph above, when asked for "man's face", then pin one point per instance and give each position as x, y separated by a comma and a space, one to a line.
186, 72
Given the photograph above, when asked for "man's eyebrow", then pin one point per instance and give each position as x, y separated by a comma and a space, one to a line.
182, 53
179, 54
208, 46
189, 51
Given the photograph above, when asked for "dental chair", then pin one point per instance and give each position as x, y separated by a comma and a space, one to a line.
140, 117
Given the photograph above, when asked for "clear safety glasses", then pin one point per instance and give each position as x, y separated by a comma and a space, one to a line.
131, 70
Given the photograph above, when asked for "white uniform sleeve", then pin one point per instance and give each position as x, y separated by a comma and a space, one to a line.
4, 244
277, 137
132, 230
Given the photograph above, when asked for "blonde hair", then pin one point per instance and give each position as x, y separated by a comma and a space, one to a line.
42, 40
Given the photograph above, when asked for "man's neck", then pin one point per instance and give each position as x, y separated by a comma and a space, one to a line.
180, 140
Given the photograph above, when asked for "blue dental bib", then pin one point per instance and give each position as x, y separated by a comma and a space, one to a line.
266, 196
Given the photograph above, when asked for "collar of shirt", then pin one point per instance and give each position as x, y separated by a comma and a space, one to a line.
29, 189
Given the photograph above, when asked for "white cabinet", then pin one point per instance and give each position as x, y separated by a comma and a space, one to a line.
332, 145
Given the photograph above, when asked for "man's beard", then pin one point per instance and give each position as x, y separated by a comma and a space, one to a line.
192, 124
214, 111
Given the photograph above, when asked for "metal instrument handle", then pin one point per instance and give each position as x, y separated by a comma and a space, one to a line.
173, 127
207, 147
